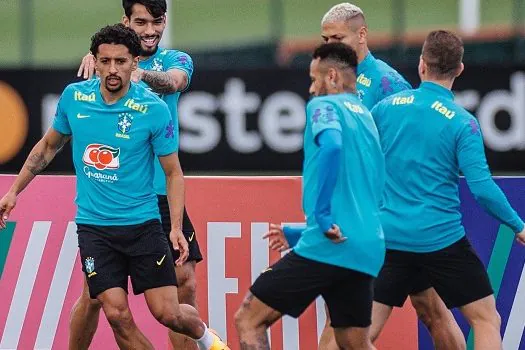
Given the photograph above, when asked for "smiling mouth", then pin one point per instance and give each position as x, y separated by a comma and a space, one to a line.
150, 41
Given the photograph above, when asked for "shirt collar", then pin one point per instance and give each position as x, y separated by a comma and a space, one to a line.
366, 63
437, 89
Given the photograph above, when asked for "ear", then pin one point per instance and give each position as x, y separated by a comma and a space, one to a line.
422, 67
331, 77
363, 34
460, 69
125, 20
135, 63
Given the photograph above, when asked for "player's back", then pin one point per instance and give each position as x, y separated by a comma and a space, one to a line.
419, 130
377, 80
355, 201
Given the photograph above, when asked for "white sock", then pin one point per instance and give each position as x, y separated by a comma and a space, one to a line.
206, 341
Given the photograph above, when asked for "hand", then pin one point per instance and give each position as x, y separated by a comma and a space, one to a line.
179, 243
87, 67
277, 239
137, 75
334, 234
7, 203
520, 237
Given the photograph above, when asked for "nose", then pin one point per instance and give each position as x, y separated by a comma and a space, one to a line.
311, 90
333, 40
150, 29
113, 68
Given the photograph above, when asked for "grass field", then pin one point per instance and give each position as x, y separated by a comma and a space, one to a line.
63, 27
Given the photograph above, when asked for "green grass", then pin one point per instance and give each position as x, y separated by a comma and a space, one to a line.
63, 27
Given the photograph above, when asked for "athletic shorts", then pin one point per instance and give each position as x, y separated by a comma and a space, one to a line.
112, 253
455, 272
187, 230
295, 282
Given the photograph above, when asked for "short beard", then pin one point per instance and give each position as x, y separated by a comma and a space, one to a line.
146, 53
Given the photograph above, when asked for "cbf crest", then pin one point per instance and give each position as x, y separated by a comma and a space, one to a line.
89, 263
124, 124
157, 65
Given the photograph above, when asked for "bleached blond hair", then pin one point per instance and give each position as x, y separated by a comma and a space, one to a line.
342, 12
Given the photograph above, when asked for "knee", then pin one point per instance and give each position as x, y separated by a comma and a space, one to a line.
170, 318
244, 321
118, 316
188, 291
431, 314
491, 318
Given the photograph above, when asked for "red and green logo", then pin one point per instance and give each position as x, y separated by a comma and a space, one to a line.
101, 156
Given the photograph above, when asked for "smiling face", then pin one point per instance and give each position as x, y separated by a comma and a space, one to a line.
148, 28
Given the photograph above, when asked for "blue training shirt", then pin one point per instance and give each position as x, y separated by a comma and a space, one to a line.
114, 148
162, 61
356, 196
427, 140
377, 80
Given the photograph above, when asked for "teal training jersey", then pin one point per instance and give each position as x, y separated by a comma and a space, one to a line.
162, 61
427, 140
377, 80
114, 148
355, 201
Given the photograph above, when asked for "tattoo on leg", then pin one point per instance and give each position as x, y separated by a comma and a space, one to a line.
261, 344
247, 300
36, 163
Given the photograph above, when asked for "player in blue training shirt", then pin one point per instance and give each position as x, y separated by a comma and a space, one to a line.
427, 140
167, 73
118, 128
342, 248
376, 80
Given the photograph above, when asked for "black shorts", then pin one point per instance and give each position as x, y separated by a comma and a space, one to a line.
112, 253
295, 282
187, 230
456, 272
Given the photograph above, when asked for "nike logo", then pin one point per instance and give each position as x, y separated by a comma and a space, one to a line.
191, 237
266, 270
161, 260
81, 116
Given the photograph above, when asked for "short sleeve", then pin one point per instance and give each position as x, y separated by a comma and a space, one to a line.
164, 132
181, 61
60, 122
322, 115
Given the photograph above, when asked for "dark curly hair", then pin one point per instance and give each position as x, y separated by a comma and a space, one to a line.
338, 53
157, 8
117, 34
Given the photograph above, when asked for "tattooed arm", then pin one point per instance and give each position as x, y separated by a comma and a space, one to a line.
39, 158
164, 82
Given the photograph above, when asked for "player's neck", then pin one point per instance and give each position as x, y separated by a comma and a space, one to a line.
447, 83
361, 55
113, 97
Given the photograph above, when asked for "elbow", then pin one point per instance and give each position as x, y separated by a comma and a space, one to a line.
333, 150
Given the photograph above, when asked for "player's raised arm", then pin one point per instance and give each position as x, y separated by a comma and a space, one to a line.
164, 82
176, 77
41, 155
473, 164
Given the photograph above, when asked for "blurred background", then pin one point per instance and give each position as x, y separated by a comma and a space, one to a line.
244, 112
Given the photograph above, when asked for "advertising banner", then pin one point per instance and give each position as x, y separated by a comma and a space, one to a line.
41, 277
253, 120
